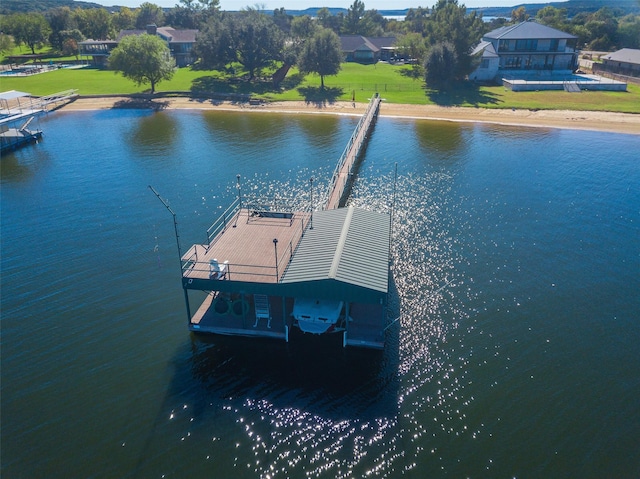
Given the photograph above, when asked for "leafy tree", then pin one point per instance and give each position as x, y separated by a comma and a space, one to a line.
322, 54
192, 14
60, 19
416, 20
553, 17
31, 29
184, 17
372, 24
411, 46
603, 28
282, 20
214, 43
327, 20
94, 23
629, 31
258, 41
149, 14
70, 47
6, 43
143, 59
70, 40
450, 23
519, 15
303, 27
352, 20
440, 65
125, 19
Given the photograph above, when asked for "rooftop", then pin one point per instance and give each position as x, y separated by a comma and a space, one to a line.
626, 55
527, 30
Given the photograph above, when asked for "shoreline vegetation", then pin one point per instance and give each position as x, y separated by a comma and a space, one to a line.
613, 122
403, 96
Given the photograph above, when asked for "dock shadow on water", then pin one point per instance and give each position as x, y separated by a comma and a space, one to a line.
309, 404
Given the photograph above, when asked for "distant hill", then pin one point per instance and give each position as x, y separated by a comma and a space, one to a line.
573, 7
21, 6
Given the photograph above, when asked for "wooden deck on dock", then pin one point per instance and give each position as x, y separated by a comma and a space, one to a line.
246, 244
342, 174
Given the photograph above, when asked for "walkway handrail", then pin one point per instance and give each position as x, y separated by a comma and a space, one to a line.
365, 120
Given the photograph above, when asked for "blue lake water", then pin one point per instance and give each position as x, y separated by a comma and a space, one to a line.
516, 280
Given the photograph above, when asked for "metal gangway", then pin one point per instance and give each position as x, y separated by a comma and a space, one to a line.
340, 180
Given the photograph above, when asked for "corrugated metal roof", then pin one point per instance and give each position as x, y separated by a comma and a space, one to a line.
348, 245
527, 30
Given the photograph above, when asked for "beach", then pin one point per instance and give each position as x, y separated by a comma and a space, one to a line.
577, 120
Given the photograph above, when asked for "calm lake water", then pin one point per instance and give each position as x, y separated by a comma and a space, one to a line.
516, 284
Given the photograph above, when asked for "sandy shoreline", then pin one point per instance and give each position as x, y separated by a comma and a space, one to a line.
578, 120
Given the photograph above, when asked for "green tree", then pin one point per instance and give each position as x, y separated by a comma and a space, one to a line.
440, 65
553, 17
31, 29
70, 40
6, 43
184, 17
214, 44
303, 27
629, 32
60, 19
449, 22
519, 15
603, 28
149, 14
411, 46
95, 23
327, 20
143, 59
322, 54
352, 19
372, 24
282, 20
258, 41
416, 20
125, 19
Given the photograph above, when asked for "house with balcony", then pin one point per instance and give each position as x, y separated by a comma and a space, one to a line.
528, 50
180, 43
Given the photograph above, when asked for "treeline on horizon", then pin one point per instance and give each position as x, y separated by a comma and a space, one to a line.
603, 29
572, 7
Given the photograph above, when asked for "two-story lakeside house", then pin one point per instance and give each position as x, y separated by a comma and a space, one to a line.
180, 43
525, 50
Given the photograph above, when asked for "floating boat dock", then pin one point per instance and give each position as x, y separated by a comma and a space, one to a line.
18, 110
269, 270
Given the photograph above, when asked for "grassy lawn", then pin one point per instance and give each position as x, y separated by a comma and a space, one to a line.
394, 83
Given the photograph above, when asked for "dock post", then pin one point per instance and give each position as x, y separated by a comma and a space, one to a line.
275, 247
186, 302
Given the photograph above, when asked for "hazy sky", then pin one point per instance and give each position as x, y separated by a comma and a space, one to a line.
302, 4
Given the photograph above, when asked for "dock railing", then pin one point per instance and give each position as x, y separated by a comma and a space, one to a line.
352, 149
195, 263
223, 221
